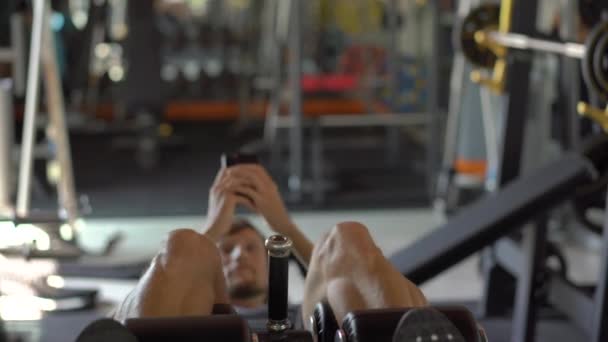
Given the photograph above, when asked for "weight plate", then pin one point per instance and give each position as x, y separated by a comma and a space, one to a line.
600, 60
593, 40
484, 17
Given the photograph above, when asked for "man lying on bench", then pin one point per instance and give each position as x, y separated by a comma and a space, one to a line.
226, 262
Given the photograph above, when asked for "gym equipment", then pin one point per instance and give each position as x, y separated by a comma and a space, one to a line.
61, 229
323, 323
14, 54
434, 324
485, 47
104, 330
495, 216
593, 196
380, 324
517, 277
279, 249
6, 147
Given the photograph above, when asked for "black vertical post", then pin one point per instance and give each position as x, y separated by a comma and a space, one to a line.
523, 21
600, 319
279, 249
524, 313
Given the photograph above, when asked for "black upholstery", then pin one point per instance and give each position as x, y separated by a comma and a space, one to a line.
224, 328
104, 330
325, 324
379, 325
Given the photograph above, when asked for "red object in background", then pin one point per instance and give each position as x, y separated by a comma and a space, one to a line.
360, 59
329, 83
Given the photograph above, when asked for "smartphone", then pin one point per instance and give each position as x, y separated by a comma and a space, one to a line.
232, 159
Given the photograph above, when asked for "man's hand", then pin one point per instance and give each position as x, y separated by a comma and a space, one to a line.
265, 196
227, 191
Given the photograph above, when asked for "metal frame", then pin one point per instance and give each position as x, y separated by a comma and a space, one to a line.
523, 20
488, 220
295, 103
600, 314
6, 148
42, 53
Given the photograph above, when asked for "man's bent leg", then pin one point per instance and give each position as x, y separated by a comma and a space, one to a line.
184, 279
350, 271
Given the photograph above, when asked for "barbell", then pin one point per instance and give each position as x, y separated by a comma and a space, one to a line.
483, 46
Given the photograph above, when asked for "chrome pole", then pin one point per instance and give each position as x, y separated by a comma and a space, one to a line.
57, 130
6, 148
523, 42
31, 109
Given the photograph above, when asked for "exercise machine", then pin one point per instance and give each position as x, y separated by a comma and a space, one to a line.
513, 220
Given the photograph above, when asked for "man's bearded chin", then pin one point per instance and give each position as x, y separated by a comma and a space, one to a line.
245, 291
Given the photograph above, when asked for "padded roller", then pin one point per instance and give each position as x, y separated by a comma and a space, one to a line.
286, 336
324, 322
224, 328
379, 325
104, 330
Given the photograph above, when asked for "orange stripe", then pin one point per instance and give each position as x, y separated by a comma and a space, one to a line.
476, 168
230, 110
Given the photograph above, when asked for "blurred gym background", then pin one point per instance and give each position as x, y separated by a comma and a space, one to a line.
360, 109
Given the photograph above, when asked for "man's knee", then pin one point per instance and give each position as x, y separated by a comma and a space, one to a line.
187, 250
353, 235
348, 247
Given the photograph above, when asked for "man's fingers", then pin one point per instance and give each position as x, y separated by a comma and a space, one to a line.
250, 193
221, 174
252, 177
245, 201
233, 183
255, 171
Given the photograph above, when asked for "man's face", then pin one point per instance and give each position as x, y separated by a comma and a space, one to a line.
244, 263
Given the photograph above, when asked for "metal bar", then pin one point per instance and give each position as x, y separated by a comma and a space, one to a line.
432, 150
18, 42
360, 120
508, 254
457, 84
569, 300
524, 314
6, 55
58, 129
489, 219
295, 105
571, 71
31, 109
523, 42
6, 148
522, 20
392, 133
316, 163
600, 315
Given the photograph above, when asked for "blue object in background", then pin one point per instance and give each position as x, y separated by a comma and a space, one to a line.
410, 87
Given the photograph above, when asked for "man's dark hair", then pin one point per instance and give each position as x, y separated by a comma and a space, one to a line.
240, 224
